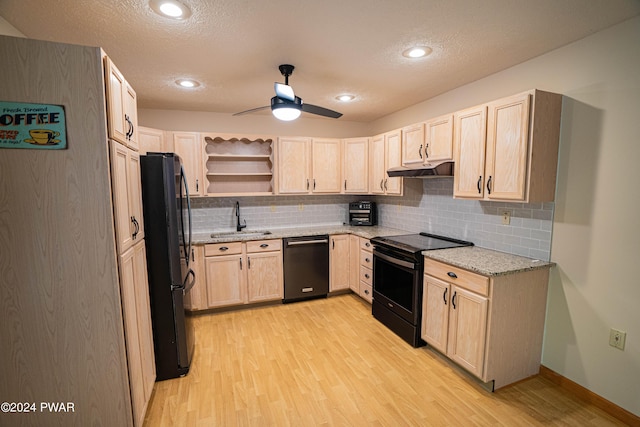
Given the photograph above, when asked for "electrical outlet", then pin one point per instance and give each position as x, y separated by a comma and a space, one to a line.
273, 208
617, 338
506, 217
300, 207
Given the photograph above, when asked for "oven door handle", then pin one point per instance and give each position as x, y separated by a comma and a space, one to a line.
396, 261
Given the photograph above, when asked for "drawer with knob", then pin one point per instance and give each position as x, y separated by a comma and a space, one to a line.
366, 275
366, 259
215, 249
264, 245
458, 276
366, 292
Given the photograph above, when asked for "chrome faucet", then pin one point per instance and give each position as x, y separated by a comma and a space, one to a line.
239, 226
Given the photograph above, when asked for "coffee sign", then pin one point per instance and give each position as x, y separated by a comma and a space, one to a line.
35, 126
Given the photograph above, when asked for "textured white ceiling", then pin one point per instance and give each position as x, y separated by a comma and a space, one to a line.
234, 47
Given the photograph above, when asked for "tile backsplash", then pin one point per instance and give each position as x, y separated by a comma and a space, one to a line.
427, 205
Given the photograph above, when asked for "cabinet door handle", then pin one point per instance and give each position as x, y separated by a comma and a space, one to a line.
367, 244
444, 295
426, 153
264, 245
248, 262
367, 260
366, 275
345, 184
223, 248
479, 181
333, 244
381, 183
420, 151
453, 300
314, 183
241, 265
366, 291
385, 185
307, 184
489, 185
193, 255
197, 185
452, 275
136, 227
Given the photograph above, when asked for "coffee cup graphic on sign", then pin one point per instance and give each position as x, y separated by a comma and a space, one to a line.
43, 136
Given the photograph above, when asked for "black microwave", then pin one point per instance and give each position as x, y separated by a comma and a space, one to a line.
363, 213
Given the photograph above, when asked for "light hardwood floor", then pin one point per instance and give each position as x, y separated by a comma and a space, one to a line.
330, 363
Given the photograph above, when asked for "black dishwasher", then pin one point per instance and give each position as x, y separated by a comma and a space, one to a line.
306, 267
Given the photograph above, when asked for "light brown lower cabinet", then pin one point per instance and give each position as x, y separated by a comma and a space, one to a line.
237, 273
137, 327
490, 326
339, 262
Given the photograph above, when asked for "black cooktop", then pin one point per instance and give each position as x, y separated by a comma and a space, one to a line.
415, 243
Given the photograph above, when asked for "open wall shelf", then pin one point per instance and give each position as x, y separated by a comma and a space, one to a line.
239, 165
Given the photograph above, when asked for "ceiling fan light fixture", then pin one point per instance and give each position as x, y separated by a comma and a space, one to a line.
170, 9
285, 113
417, 52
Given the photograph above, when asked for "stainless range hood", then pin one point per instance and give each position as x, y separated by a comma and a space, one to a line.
429, 170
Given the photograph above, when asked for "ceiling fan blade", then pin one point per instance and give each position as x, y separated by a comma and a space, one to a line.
284, 91
253, 110
321, 111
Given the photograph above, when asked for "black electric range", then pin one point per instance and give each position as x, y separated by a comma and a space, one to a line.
414, 244
398, 267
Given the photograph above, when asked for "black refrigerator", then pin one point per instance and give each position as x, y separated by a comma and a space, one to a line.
167, 227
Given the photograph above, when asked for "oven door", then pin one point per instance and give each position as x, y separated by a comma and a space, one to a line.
396, 284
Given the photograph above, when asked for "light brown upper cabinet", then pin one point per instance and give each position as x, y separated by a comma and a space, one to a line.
187, 145
428, 142
309, 165
384, 153
151, 140
413, 144
508, 149
122, 109
326, 165
294, 161
355, 165
438, 139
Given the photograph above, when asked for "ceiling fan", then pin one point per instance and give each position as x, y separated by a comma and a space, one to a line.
286, 105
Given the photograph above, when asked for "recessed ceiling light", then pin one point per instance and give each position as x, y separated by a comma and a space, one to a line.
345, 98
170, 9
417, 52
188, 83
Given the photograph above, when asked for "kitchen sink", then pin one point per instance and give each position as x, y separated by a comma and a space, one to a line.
240, 234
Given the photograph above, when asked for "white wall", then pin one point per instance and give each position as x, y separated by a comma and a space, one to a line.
7, 29
596, 230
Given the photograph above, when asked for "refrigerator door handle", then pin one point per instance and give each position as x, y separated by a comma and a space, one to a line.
189, 281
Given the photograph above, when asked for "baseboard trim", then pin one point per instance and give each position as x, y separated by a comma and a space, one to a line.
589, 396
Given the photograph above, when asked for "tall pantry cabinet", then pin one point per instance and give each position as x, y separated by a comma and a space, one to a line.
61, 304
126, 192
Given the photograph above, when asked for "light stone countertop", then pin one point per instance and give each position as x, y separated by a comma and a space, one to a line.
480, 260
367, 232
486, 261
